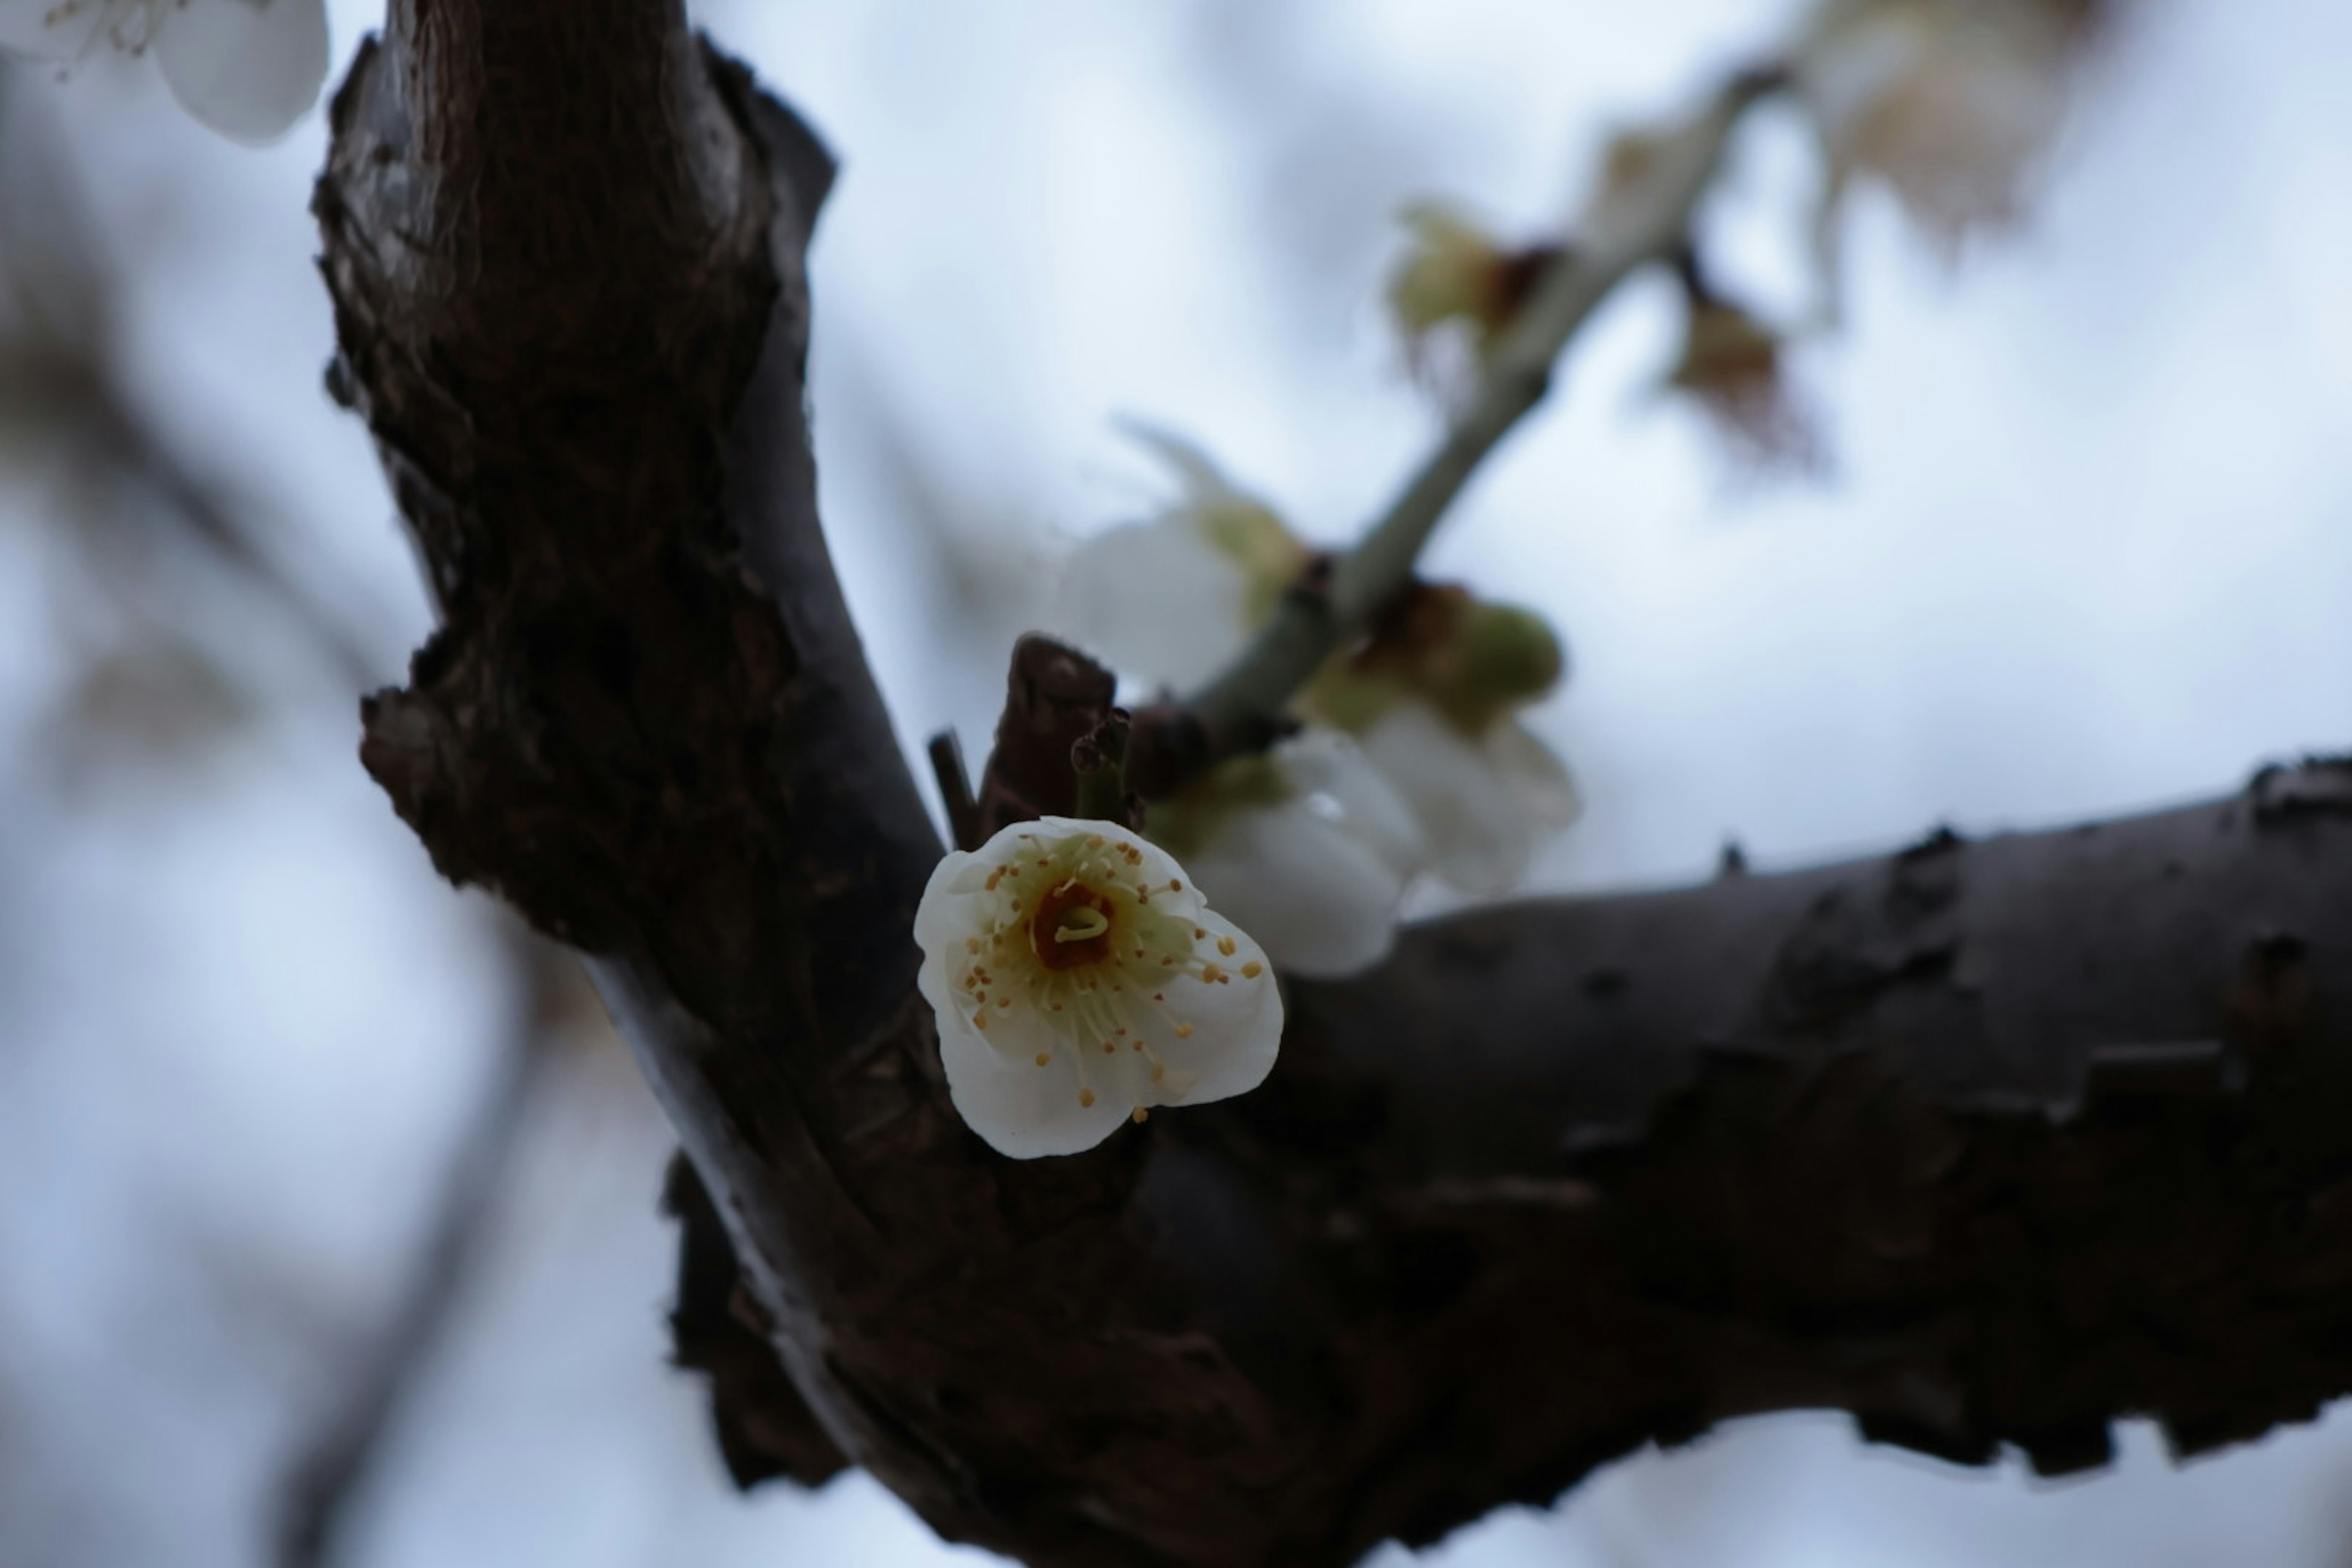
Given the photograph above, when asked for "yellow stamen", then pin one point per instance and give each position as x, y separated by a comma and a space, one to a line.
1227, 946
1141, 1116
1252, 970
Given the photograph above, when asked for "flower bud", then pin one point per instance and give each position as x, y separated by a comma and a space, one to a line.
1733, 365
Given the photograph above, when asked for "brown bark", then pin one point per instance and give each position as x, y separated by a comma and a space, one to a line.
1985, 1142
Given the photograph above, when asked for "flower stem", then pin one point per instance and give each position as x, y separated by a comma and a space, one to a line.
1099, 760
1246, 699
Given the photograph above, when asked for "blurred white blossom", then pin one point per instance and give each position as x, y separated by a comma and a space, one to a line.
1434, 699
1950, 102
1485, 799
1309, 846
247, 68
1079, 978
1172, 598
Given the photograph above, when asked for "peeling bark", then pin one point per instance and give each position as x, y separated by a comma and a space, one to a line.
1985, 1142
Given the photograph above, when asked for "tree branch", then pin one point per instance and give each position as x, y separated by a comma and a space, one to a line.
1559, 1180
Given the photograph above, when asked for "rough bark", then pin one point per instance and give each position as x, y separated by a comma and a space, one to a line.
1985, 1142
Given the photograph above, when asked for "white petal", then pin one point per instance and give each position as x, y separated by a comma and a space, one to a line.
1155, 600
1203, 480
1321, 901
249, 68
1236, 1024
1479, 831
1317, 878
1845, 72
1326, 763
1535, 774
1019, 1107
941, 920
52, 30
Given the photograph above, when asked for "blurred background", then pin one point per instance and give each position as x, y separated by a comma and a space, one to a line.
327, 1203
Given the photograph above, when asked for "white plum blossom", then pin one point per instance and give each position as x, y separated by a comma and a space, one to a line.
1170, 599
1949, 101
1485, 799
1308, 846
1079, 978
1432, 700
247, 68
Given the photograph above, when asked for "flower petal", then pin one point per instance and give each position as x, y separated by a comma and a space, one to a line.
1236, 1024
1479, 830
1316, 876
247, 68
1017, 1106
1323, 902
1535, 774
1155, 600
53, 29
1326, 763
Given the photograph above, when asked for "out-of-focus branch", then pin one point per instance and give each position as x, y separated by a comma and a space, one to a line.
62, 383
1648, 219
335, 1464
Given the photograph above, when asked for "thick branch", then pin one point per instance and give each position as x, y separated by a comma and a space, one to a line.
1984, 1143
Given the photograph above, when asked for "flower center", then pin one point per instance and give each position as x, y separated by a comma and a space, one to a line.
1072, 927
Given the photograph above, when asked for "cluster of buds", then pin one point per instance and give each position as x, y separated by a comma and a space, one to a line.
1735, 367
1454, 278
1413, 762
246, 69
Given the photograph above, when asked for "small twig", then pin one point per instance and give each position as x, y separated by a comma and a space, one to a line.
1099, 759
955, 790
1241, 706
